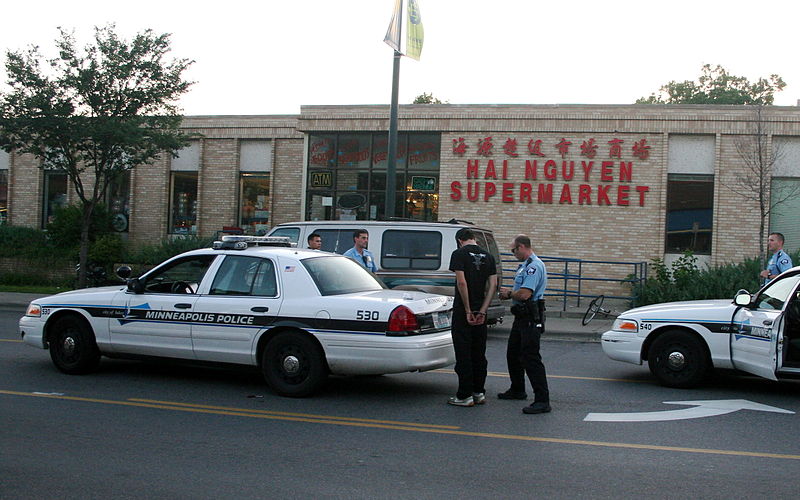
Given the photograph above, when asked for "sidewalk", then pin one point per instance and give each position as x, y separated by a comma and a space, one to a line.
561, 325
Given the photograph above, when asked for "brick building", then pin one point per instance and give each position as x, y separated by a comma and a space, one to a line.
628, 182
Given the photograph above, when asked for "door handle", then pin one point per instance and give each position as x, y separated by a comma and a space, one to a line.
767, 322
259, 309
183, 306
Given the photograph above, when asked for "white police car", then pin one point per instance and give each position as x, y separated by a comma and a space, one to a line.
682, 341
296, 314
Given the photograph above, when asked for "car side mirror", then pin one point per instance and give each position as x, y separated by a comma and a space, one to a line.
742, 298
135, 286
124, 272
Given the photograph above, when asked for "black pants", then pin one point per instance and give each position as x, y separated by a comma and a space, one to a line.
469, 343
522, 356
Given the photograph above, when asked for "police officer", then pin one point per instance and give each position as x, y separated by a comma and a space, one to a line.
779, 262
522, 354
359, 252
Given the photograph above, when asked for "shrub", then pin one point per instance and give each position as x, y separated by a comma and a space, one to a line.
24, 242
155, 254
684, 281
65, 230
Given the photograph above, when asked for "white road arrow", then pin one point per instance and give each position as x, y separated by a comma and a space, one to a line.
700, 409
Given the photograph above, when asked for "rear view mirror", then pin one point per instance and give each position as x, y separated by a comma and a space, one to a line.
742, 298
135, 286
124, 272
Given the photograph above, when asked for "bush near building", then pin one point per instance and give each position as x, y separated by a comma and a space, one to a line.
36, 258
685, 281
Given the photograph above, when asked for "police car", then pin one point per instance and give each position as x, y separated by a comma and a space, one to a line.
298, 315
682, 341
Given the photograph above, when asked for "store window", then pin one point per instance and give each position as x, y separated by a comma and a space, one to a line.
785, 191
254, 187
183, 190
55, 195
118, 197
690, 195
4, 166
690, 203
347, 176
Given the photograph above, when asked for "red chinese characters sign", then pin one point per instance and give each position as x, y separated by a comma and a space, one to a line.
603, 174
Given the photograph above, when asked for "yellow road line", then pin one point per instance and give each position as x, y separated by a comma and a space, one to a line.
502, 374
289, 414
403, 426
10, 340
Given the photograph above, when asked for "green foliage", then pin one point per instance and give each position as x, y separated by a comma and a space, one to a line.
157, 253
684, 281
107, 250
96, 112
717, 86
65, 230
24, 242
425, 98
34, 283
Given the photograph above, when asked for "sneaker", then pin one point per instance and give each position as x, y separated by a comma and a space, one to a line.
467, 401
509, 394
537, 407
479, 398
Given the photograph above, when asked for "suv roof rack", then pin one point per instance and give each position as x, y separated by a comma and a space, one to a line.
232, 242
460, 221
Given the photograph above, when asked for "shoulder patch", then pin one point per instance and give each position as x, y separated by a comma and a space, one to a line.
785, 261
531, 270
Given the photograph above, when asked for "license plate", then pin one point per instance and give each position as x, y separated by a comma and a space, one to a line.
441, 319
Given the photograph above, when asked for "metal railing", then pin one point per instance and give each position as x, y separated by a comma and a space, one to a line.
566, 277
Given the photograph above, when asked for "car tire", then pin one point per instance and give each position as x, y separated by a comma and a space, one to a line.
293, 364
678, 359
72, 345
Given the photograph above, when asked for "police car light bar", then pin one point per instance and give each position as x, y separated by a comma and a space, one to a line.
235, 242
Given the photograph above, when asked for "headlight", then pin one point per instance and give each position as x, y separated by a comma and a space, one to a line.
34, 310
625, 325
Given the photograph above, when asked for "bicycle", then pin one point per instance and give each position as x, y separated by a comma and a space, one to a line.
595, 307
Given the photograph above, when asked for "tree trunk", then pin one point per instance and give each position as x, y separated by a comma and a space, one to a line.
83, 255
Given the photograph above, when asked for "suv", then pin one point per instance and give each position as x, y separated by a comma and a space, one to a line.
409, 255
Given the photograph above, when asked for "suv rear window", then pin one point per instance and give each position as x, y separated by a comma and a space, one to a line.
411, 249
335, 240
486, 240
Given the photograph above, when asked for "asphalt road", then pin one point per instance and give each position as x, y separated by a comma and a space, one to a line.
143, 430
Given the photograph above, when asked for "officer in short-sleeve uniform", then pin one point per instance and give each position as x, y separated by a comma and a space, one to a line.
522, 353
778, 263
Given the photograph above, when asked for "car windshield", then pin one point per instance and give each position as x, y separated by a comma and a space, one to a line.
776, 294
337, 275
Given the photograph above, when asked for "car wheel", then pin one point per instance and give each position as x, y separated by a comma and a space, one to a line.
293, 364
72, 346
678, 359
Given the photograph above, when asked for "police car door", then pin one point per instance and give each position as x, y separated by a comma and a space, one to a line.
757, 333
242, 301
157, 322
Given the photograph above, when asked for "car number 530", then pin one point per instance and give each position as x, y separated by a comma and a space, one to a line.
367, 315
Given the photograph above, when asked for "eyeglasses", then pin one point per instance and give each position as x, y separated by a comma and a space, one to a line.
514, 250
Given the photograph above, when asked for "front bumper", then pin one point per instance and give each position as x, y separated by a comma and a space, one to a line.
622, 346
31, 330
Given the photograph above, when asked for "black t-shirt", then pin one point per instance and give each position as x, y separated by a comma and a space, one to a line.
478, 265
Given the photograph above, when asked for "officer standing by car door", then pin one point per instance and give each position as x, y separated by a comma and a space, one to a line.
522, 354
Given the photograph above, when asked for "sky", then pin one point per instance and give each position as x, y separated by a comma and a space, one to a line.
270, 57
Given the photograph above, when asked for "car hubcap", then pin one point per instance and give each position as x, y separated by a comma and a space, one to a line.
676, 360
291, 365
68, 346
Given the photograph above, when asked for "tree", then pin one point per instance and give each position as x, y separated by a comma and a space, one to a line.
96, 113
759, 154
425, 98
717, 86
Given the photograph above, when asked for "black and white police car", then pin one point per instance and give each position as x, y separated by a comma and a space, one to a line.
682, 341
298, 315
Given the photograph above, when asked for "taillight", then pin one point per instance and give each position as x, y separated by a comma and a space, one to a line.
402, 321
